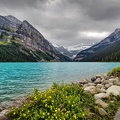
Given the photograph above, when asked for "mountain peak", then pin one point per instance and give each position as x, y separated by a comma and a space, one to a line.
86, 54
117, 29
13, 20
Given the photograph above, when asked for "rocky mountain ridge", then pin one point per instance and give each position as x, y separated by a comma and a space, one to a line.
23, 33
99, 47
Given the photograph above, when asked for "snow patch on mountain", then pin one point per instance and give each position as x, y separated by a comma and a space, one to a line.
71, 51
78, 47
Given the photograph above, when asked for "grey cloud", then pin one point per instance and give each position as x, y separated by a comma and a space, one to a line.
61, 20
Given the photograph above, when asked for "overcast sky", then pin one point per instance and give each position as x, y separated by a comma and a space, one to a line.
67, 22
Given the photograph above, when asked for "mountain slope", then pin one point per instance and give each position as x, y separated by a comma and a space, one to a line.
63, 50
24, 34
101, 47
109, 54
15, 52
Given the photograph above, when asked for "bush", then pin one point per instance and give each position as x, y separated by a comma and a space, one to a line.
60, 102
115, 72
63, 102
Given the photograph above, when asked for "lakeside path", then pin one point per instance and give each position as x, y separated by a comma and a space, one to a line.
101, 87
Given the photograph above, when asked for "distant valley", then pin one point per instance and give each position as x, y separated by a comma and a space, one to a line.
71, 51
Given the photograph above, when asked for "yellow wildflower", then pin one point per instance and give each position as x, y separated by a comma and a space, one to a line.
83, 114
24, 115
75, 116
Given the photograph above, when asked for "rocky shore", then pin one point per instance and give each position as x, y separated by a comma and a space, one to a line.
102, 87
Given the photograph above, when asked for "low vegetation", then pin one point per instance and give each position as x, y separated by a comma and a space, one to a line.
63, 102
14, 51
115, 72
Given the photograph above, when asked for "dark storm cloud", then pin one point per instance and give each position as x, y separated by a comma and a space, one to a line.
64, 21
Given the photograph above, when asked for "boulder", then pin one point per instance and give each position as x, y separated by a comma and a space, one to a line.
101, 95
107, 86
117, 116
102, 111
98, 81
102, 90
98, 76
100, 86
91, 84
1, 108
117, 83
84, 82
101, 103
93, 79
3, 114
90, 89
113, 80
85, 85
111, 84
105, 82
115, 90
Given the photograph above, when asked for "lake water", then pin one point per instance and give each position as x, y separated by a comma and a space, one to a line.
19, 79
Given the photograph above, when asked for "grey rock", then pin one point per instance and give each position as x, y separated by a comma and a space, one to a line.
102, 111
98, 76
101, 95
91, 84
113, 80
3, 114
102, 90
84, 82
93, 79
101, 103
117, 116
85, 85
1, 108
98, 81
117, 83
105, 82
111, 84
90, 89
115, 90
107, 86
100, 86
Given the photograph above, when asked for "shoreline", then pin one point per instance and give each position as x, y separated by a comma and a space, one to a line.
100, 86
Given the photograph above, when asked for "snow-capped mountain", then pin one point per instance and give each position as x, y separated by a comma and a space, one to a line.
71, 51
78, 47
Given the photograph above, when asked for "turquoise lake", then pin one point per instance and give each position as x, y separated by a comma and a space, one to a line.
20, 79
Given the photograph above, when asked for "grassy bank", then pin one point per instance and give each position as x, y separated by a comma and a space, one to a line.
64, 102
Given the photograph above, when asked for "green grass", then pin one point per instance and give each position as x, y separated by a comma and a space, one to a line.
115, 72
62, 102
5, 42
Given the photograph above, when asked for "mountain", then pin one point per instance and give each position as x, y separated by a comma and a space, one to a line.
20, 41
71, 51
106, 50
63, 50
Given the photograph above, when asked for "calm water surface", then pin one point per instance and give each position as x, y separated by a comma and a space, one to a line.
19, 79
